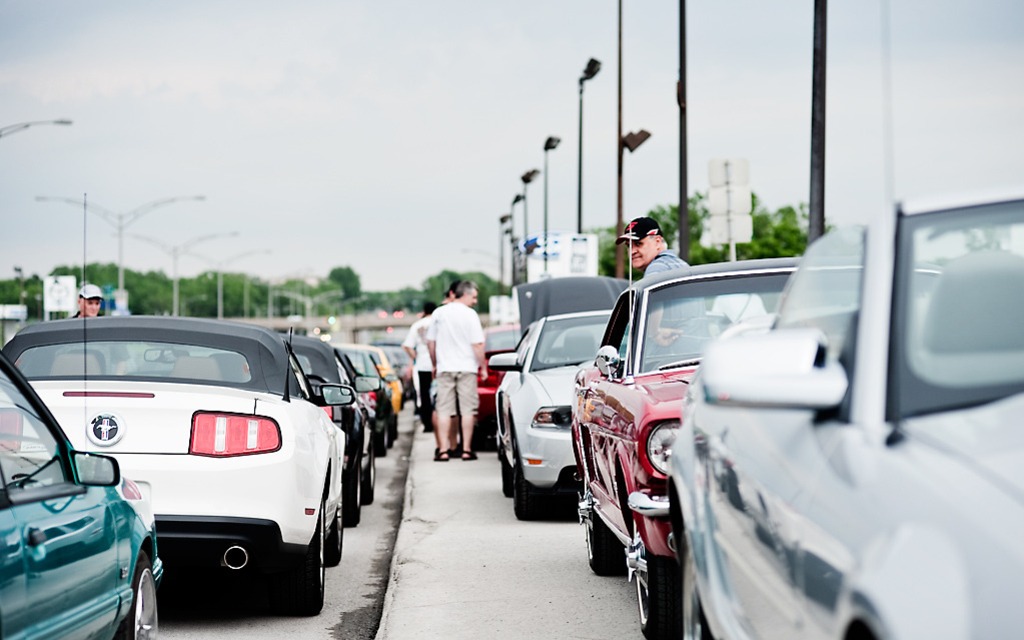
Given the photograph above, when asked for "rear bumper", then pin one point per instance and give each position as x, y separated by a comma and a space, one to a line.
200, 541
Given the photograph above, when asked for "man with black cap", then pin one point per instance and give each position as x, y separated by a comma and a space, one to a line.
648, 250
89, 300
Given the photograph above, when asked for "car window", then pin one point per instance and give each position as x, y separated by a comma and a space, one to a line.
134, 359
682, 318
957, 323
29, 453
568, 341
825, 293
503, 340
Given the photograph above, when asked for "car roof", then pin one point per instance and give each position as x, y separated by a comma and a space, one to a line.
263, 348
715, 269
322, 356
565, 295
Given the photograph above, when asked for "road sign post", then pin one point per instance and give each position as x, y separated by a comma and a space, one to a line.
730, 203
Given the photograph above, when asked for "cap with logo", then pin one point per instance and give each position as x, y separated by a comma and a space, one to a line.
638, 229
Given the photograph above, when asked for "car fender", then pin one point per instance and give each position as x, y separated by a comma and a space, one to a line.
914, 584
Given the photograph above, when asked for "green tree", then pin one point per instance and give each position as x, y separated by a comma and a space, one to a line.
348, 280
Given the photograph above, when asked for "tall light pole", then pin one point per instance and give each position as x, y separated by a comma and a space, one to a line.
549, 144
684, 201
593, 66
619, 266
502, 230
21, 126
628, 142
527, 178
514, 258
176, 250
121, 220
219, 265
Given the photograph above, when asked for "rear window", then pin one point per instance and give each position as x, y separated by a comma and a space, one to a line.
501, 340
142, 359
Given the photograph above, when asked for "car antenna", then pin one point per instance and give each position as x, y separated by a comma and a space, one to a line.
85, 325
288, 366
627, 377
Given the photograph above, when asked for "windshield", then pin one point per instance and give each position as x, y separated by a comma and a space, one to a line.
960, 308
682, 318
135, 359
568, 341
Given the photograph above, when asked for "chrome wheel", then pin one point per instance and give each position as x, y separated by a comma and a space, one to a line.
145, 607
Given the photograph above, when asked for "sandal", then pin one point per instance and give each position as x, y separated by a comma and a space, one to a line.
441, 456
468, 455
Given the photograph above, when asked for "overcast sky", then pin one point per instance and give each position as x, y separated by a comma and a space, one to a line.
390, 135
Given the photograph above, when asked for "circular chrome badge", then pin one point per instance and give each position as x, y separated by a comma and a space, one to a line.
105, 429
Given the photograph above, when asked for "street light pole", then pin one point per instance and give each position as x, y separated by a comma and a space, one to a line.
121, 220
593, 66
502, 221
21, 126
219, 265
527, 178
513, 258
549, 144
176, 250
619, 265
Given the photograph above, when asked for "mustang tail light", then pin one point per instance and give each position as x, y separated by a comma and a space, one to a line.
224, 435
659, 444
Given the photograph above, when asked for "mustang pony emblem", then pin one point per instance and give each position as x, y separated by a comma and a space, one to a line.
105, 429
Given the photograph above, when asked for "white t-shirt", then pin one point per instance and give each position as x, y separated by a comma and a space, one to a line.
455, 329
417, 340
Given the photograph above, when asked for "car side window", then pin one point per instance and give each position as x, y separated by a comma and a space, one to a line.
825, 292
29, 453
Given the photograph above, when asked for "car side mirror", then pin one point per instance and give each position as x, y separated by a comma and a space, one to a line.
608, 361
365, 384
504, 362
337, 395
94, 470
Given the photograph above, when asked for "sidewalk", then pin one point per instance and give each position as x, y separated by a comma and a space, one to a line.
464, 567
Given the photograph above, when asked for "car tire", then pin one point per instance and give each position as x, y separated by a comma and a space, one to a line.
525, 501
693, 622
352, 491
141, 621
300, 592
335, 538
658, 594
605, 553
507, 474
380, 442
369, 477
392, 430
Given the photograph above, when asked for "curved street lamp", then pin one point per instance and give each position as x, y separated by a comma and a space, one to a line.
219, 265
176, 250
21, 126
121, 220
550, 144
593, 66
514, 257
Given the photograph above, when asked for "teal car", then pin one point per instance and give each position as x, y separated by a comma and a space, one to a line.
78, 553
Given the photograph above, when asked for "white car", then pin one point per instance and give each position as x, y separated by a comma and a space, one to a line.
534, 408
216, 423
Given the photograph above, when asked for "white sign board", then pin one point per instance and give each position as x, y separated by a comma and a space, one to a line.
730, 201
569, 254
722, 229
726, 171
60, 293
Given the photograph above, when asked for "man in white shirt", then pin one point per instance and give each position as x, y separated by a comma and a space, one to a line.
455, 339
415, 344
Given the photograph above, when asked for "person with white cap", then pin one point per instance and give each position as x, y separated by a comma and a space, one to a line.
90, 297
648, 250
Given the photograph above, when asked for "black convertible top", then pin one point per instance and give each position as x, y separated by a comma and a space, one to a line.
322, 357
264, 349
566, 295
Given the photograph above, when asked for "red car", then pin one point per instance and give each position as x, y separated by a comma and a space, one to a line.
498, 339
626, 413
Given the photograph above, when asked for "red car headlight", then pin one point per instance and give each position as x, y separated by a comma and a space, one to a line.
659, 444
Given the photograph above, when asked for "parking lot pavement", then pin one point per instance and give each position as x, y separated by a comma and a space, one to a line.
464, 567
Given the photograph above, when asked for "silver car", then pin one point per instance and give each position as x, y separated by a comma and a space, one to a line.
858, 470
534, 409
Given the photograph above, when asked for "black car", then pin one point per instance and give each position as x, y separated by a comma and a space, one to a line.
321, 363
383, 408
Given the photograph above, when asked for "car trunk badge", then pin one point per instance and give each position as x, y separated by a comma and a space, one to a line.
105, 429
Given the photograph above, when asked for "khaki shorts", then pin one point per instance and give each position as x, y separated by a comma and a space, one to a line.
456, 384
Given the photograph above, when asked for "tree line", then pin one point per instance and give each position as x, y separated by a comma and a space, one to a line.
778, 233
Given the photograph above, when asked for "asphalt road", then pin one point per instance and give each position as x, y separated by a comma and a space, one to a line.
439, 554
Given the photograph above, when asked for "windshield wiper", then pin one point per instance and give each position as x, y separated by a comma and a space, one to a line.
689, 362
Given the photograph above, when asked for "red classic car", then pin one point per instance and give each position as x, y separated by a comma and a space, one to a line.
626, 413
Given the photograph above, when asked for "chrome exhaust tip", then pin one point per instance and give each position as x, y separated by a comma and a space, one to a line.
235, 558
